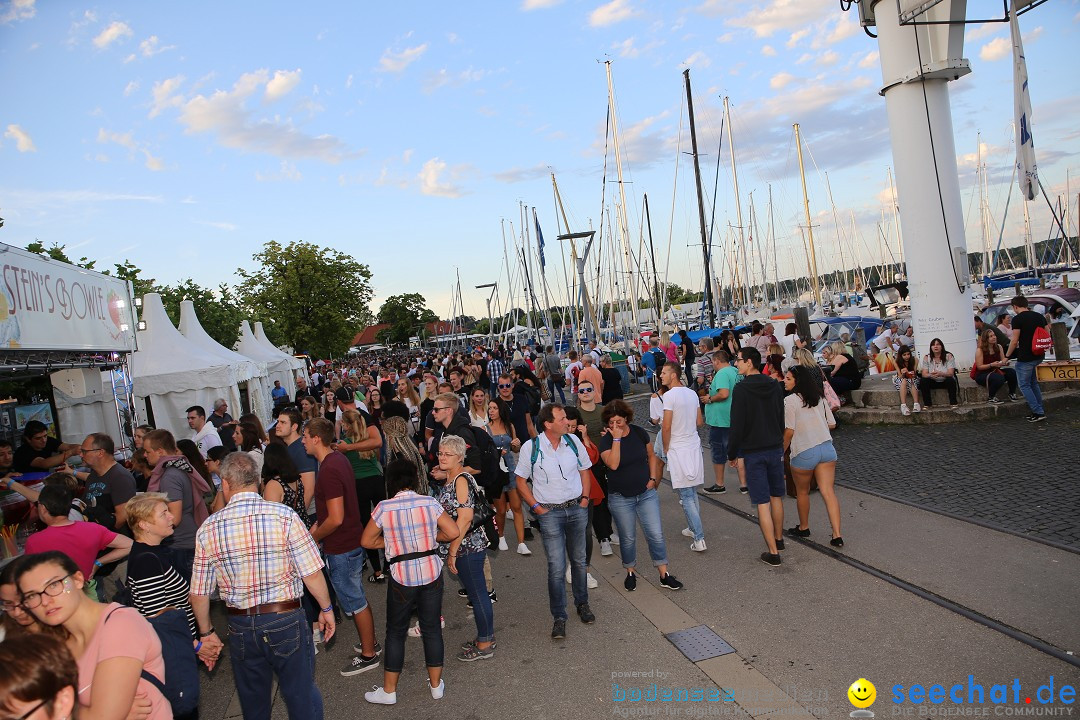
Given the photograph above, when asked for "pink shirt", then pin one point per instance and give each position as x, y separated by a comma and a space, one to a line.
80, 541
127, 634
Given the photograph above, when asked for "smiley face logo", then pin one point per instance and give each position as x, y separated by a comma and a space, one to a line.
862, 693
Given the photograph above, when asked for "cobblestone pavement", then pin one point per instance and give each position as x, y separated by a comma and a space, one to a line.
1005, 474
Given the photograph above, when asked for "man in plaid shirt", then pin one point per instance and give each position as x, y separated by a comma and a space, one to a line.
260, 556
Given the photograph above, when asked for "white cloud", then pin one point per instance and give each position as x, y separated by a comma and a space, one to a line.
698, 59
123, 139
406, 156
869, 60
152, 46
514, 175
152, 163
626, 48
829, 57
115, 31
130, 88
444, 77
17, 10
611, 13
1033, 35
996, 49
796, 37
397, 62
981, 31
783, 15
538, 4
287, 171
348, 81
768, 51
23, 142
224, 114
432, 182
726, 37
845, 27
165, 95
282, 84
227, 226
780, 80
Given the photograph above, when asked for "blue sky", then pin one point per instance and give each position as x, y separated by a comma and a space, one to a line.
185, 135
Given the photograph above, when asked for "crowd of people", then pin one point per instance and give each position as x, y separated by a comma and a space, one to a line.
406, 471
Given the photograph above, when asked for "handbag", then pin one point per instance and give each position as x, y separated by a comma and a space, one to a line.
483, 512
830, 395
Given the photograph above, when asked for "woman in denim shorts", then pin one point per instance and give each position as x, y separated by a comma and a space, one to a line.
807, 421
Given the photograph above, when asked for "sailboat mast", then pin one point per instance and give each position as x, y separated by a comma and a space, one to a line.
738, 203
839, 242
700, 200
590, 324
624, 227
809, 226
658, 307
775, 261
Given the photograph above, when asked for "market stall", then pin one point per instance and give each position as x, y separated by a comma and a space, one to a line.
249, 375
172, 373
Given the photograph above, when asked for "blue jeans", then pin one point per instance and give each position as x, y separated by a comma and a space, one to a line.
401, 600
347, 576
691, 510
645, 509
1029, 385
261, 646
563, 531
470, 569
552, 387
718, 437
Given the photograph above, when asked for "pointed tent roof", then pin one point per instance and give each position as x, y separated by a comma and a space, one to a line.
278, 366
244, 367
169, 362
294, 362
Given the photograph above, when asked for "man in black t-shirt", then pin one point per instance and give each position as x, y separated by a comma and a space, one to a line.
40, 451
1024, 325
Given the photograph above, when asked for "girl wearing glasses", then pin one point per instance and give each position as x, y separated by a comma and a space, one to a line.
39, 681
112, 644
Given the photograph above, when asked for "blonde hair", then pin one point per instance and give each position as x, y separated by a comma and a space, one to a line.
776, 349
454, 444
804, 357
142, 507
352, 422
837, 347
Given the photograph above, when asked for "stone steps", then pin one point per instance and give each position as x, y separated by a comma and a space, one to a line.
942, 413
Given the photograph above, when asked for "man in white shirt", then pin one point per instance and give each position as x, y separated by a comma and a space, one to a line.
206, 435
682, 446
557, 463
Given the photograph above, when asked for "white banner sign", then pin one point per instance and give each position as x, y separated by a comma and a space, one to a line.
50, 305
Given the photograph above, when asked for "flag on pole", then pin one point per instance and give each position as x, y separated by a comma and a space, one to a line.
539, 240
1027, 170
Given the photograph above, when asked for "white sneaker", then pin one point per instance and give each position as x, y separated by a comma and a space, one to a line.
569, 576
509, 515
523, 549
904, 410
590, 582
698, 546
379, 696
605, 548
502, 544
917, 407
687, 532
614, 538
437, 692
414, 631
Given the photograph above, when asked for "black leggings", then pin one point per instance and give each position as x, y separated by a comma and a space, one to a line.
927, 384
370, 491
993, 381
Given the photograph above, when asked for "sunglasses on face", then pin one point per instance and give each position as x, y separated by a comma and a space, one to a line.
582, 391
503, 386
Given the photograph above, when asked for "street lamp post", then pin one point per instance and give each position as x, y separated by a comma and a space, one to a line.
491, 329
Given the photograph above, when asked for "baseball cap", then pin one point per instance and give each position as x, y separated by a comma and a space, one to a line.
344, 395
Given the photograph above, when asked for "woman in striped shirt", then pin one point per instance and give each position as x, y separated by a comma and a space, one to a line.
152, 580
408, 527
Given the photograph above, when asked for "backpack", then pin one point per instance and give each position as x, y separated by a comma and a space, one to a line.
181, 688
533, 396
491, 474
536, 449
1041, 341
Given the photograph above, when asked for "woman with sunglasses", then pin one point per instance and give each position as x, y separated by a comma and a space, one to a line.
112, 644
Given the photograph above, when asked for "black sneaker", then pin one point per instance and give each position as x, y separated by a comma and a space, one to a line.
770, 559
630, 583
492, 595
744, 490
558, 630
795, 532
669, 582
528, 533
462, 592
360, 664
995, 401
1036, 417
472, 643
586, 614
359, 649
779, 544
716, 489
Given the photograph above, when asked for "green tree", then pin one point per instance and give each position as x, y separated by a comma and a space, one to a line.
406, 315
309, 297
59, 252
125, 271
219, 311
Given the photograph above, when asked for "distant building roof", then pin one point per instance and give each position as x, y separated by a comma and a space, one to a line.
439, 327
367, 335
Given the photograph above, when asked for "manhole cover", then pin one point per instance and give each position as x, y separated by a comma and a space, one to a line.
699, 643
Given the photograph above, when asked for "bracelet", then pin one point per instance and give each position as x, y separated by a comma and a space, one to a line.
328, 608
198, 646
208, 633
616, 440
534, 506
97, 563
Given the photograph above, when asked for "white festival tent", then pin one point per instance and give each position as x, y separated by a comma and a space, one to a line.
172, 373
85, 404
248, 374
297, 364
278, 366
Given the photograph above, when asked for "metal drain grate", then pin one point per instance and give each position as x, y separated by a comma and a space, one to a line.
699, 643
